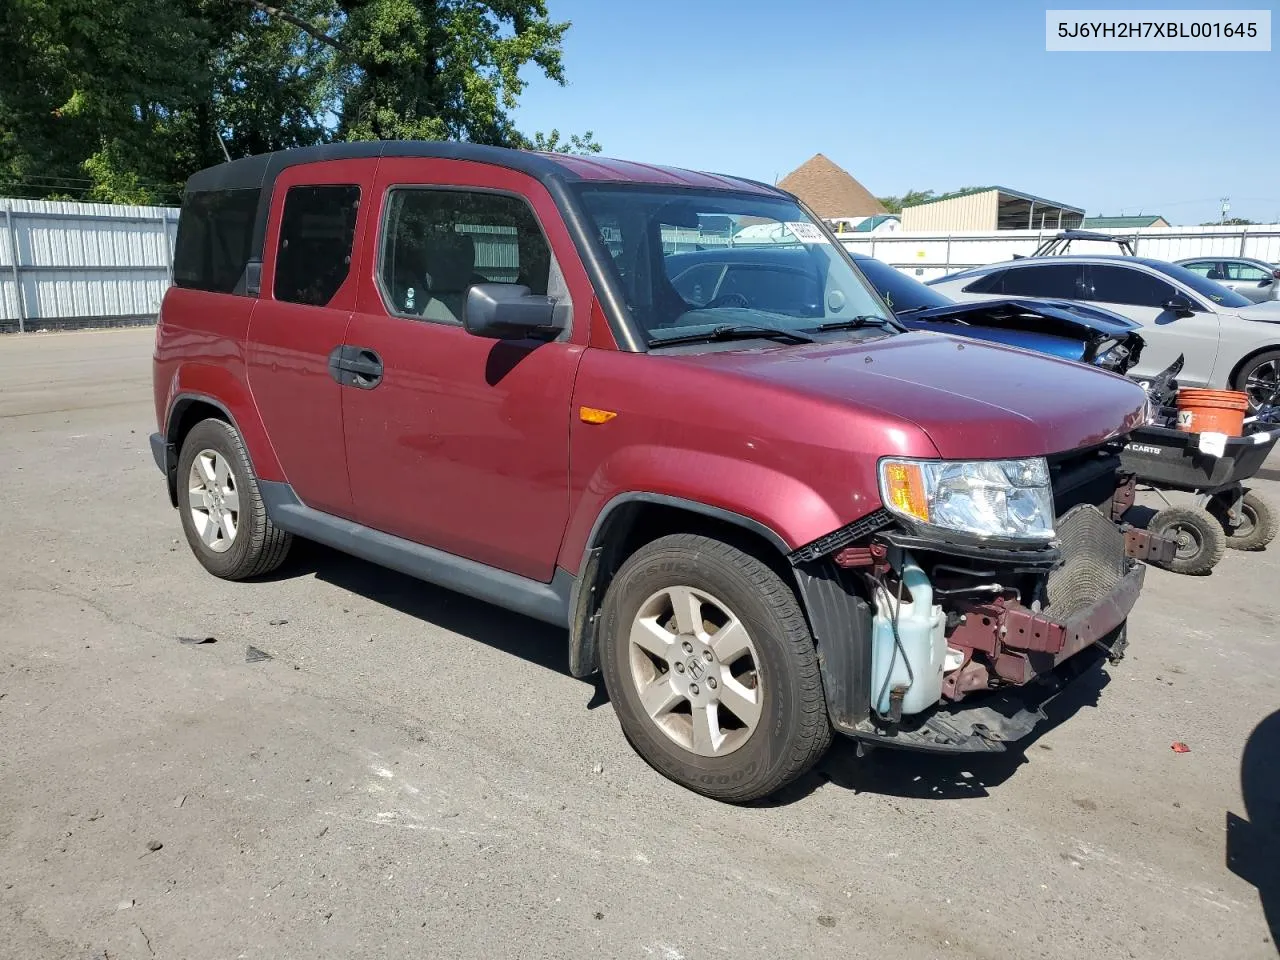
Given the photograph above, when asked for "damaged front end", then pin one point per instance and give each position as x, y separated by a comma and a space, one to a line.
940, 641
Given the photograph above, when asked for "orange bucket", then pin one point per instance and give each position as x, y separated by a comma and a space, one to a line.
1212, 411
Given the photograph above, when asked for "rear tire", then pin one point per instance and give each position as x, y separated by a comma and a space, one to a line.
1201, 541
712, 670
223, 515
1258, 526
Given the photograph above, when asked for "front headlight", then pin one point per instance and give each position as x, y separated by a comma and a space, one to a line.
988, 498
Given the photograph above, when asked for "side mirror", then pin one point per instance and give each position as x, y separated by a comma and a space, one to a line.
508, 311
1179, 305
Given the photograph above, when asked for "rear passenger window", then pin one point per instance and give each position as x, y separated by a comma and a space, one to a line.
437, 243
316, 235
1128, 286
215, 233
990, 283
1059, 281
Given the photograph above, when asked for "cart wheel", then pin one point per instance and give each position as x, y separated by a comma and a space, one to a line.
1199, 536
1257, 524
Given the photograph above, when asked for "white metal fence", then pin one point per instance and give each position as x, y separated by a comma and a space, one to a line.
65, 265
928, 255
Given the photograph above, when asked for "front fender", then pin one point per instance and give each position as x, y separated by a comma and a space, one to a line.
788, 511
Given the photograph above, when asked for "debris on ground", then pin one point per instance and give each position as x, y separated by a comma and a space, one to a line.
1180, 747
598, 768
277, 623
197, 640
124, 905
253, 655
180, 800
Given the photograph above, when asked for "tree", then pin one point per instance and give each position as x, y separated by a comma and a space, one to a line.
552, 143
1229, 222
122, 100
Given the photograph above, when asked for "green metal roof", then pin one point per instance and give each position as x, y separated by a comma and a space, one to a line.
955, 193
870, 223
1120, 222
1032, 198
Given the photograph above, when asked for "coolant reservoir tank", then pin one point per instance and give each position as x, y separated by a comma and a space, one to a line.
920, 642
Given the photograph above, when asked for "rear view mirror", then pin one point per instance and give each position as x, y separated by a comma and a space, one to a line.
1178, 305
508, 311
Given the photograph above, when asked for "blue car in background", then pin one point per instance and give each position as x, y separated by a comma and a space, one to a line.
762, 274
1061, 328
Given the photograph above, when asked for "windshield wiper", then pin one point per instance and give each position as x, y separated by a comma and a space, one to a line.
857, 323
737, 331
903, 313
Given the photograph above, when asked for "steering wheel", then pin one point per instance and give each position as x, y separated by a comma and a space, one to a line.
728, 300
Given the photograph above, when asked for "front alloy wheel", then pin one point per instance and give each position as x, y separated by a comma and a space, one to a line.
711, 668
695, 670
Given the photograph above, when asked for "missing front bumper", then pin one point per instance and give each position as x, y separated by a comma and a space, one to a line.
1000, 718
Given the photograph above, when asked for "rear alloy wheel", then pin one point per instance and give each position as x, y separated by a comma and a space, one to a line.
1199, 538
711, 668
1257, 526
214, 500
223, 515
1260, 378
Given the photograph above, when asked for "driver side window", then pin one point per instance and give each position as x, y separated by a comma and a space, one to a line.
436, 244
1128, 286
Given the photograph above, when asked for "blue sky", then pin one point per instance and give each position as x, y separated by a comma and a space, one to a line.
920, 94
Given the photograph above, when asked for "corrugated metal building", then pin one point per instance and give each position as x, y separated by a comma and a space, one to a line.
67, 264
990, 208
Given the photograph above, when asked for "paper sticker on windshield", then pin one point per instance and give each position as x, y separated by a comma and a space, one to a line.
806, 232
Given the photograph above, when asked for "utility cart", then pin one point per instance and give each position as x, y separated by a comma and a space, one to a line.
1214, 468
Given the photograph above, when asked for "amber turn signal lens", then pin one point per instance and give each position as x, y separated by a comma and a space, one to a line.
595, 415
904, 488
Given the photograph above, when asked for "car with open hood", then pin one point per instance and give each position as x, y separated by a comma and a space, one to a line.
1228, 341
765, 515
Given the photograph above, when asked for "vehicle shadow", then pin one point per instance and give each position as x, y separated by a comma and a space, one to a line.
937, 776
1253, 844
886, 771
531, 640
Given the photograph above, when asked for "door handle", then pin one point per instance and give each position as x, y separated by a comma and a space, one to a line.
355, 366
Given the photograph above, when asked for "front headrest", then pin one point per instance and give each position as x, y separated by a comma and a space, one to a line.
451, 263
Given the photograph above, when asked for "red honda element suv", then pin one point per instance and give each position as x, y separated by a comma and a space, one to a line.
758, 505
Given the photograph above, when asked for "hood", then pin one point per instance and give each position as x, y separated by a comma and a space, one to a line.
973, 400
1067, 319
972, 328
1268, 311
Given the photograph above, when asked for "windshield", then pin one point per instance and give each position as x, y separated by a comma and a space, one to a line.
688, 261
900, 291
1203, 285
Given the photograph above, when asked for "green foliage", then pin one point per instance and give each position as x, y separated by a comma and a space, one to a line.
121, 100
553, 143
1229, 222
913, 197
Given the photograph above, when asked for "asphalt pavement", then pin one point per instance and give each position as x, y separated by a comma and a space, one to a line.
412, 773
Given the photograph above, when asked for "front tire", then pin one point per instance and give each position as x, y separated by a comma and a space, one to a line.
223, 515
712, 670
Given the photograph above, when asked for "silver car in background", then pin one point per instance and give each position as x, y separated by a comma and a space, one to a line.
1227, 341
1255, 280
